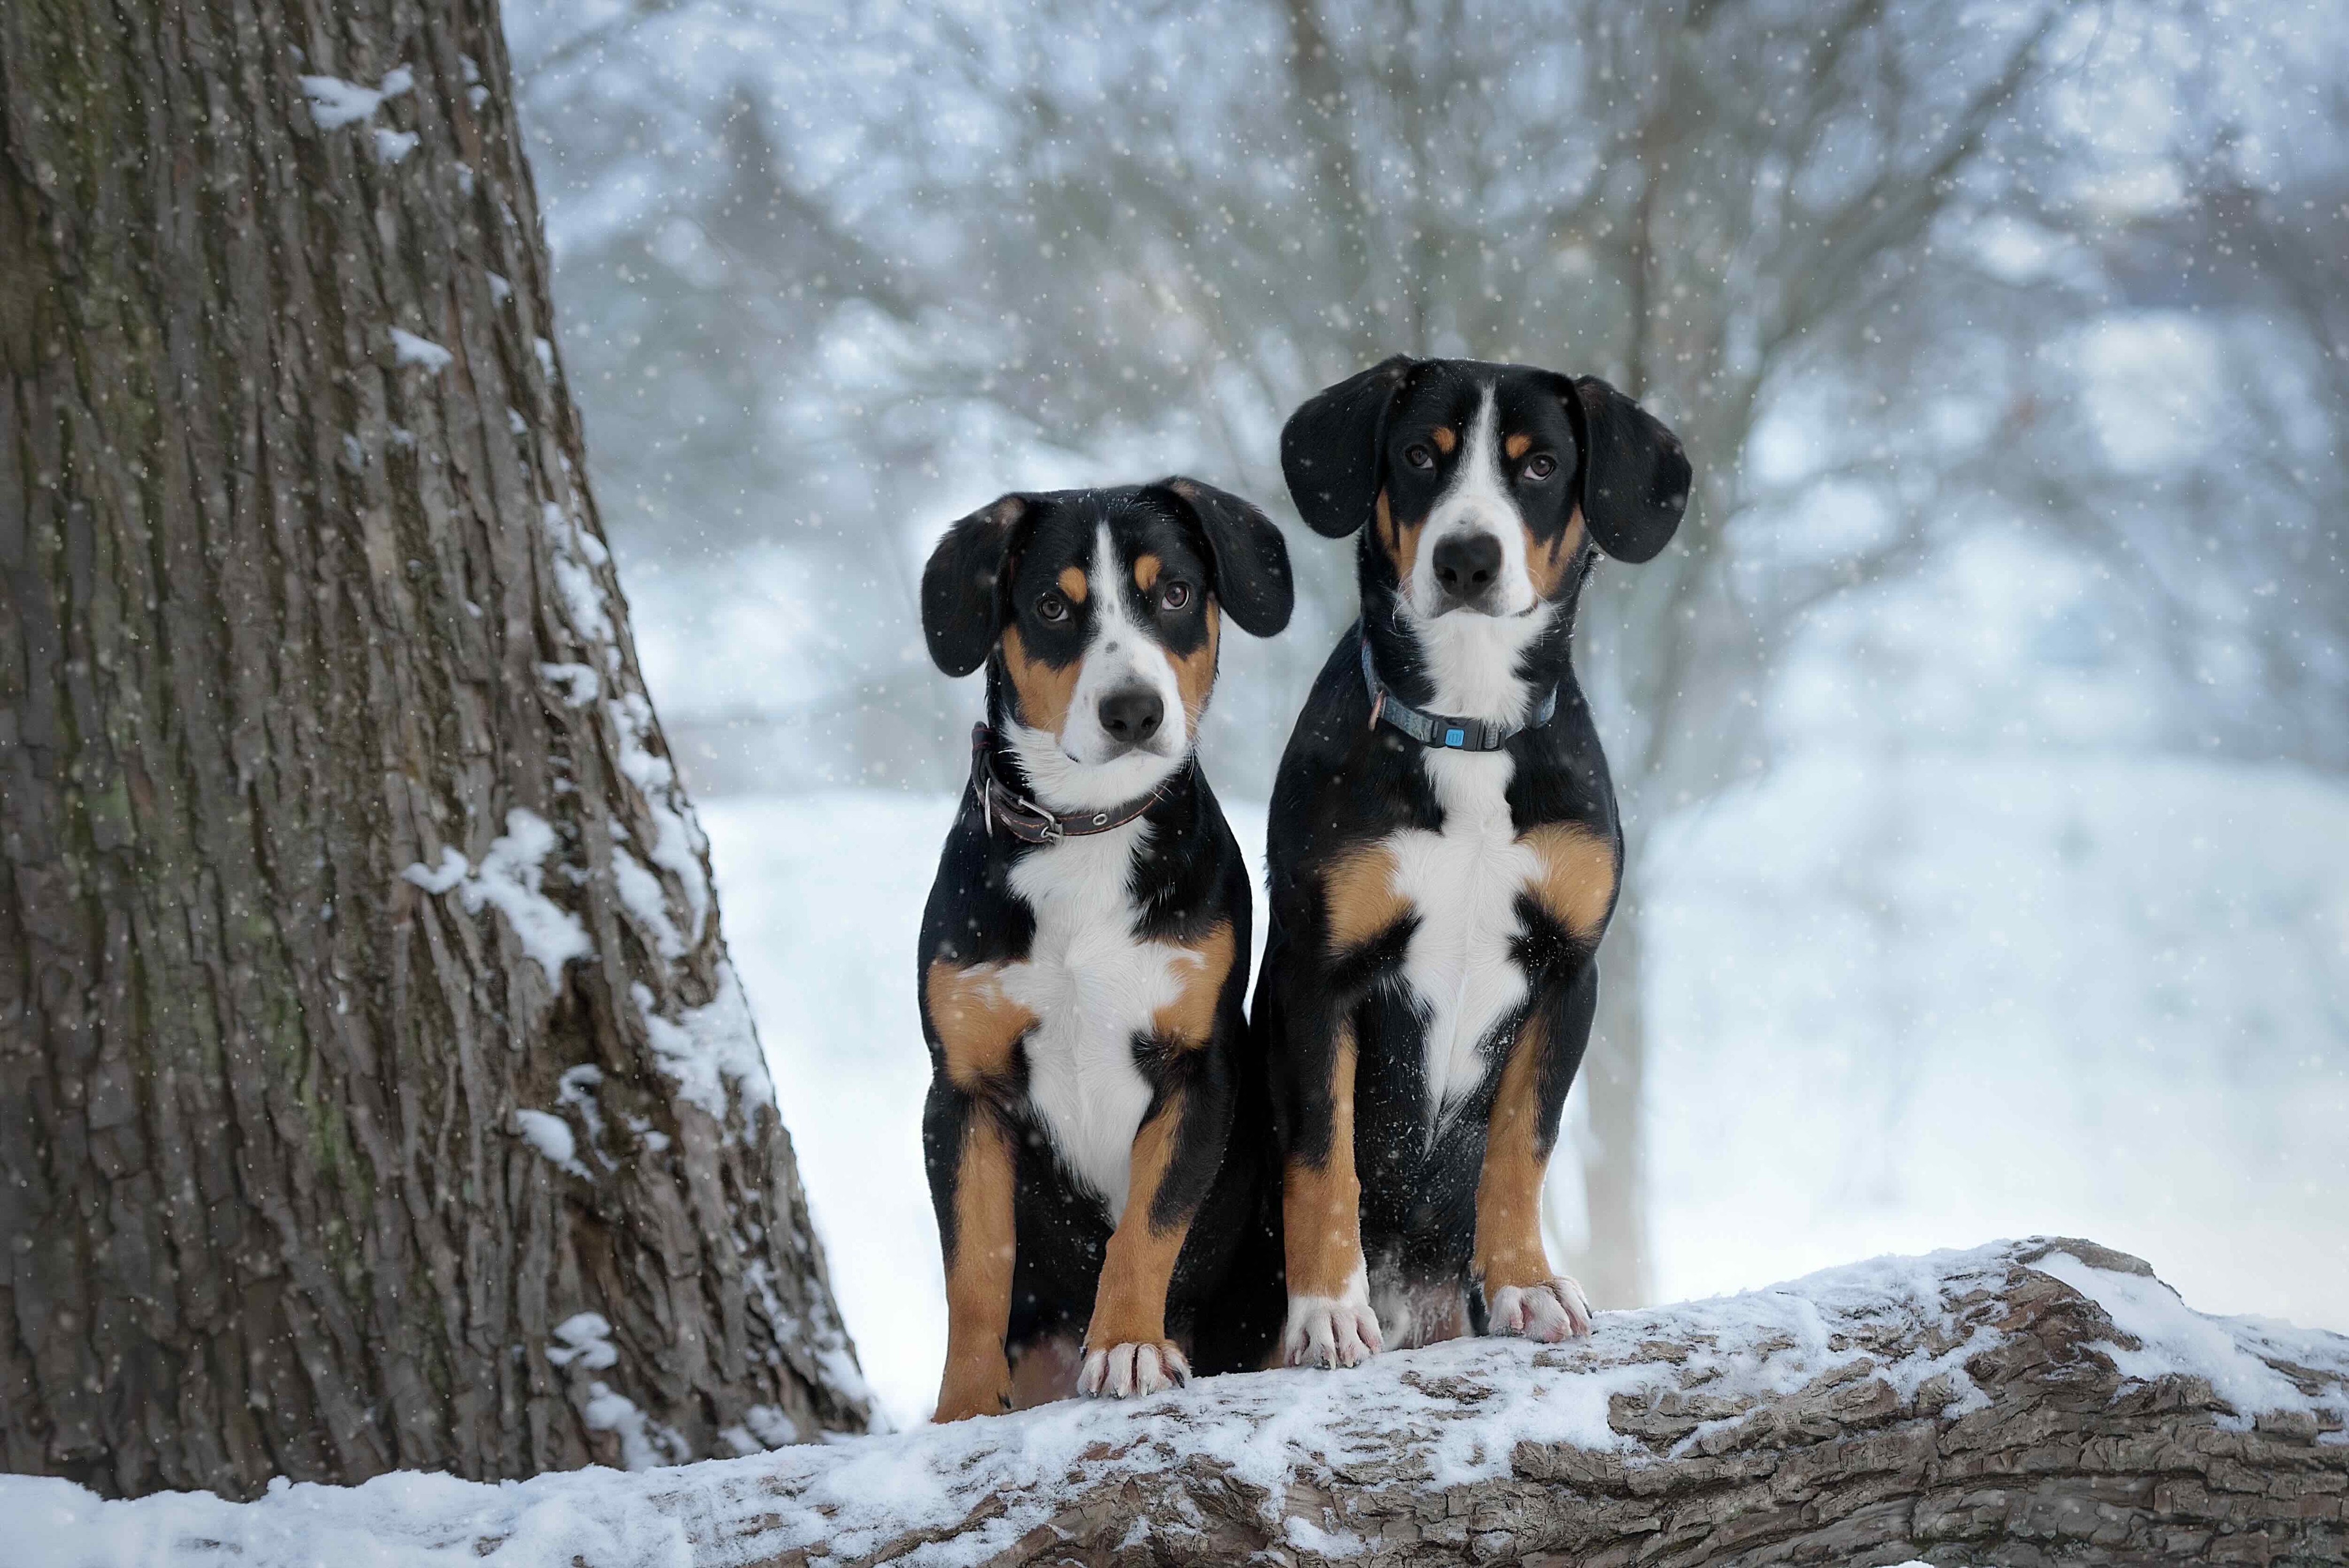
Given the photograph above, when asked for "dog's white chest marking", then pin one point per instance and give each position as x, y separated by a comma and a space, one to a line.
1092, 986
1464, 882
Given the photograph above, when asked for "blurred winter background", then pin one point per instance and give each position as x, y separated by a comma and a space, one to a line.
1985, 737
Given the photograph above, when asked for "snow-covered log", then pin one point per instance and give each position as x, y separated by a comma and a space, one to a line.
2033, 1402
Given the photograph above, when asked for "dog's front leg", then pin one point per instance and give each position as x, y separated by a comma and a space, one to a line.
969, 1155
1173, 1164
1522, 1294
1330, 1318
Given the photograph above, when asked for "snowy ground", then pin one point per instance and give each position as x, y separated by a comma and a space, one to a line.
2100, 996
1268, 1430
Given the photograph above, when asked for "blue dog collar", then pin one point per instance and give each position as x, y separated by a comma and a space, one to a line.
1440, 730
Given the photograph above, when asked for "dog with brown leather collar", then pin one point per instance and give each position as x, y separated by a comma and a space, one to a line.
1095, 1142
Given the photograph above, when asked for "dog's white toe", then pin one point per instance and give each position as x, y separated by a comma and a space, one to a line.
1547, 1313
1127, 1371
1330, 1331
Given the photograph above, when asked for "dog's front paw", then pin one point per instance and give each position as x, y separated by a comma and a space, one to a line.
976, 1383
1330, 1331
1126, 1371
1548, 1312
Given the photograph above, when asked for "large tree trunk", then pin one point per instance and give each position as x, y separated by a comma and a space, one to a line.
364, 1016
2021, 1405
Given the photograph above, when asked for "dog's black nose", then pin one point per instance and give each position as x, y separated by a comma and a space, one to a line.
1466, 564
1134, 714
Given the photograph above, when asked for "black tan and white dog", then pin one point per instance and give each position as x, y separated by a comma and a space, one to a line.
1085, 955
1444, 846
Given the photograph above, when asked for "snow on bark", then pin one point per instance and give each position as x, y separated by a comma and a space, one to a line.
710, 1048
322, 979
410, 350
512, 880
2021, 1403
336, 103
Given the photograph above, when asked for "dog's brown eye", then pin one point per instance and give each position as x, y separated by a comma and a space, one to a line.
1418, 457
1052, 607
1542, 467
1175, 595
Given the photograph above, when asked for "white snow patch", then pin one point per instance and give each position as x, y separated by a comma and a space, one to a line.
510, 878
1308, 1536
580, 684
643, 896
545, 357
501, 291
586, 1339
452, 869
334, 103
391, 146
653, 1138
714, 1045
645, 1444
414, 350
2174, 1340
762, 1426
575, 555
551, 1136
575, 1091
677, 845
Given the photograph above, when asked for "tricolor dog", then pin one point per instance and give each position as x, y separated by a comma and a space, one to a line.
1084, 954
1444, 846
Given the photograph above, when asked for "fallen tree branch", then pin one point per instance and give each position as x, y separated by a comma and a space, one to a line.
2025, 1403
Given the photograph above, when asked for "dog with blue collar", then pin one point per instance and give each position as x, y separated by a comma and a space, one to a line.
1444, 846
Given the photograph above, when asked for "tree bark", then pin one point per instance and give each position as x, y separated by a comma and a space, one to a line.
1980, 1409
364, 1016
2061, 1457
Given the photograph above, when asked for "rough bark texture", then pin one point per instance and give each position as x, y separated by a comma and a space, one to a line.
2069, 1461
2023, 1404
292, 610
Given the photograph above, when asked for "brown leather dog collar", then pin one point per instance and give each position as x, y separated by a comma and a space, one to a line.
1032, 823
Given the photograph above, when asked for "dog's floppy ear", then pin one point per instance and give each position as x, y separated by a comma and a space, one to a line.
1330, 450
1251, 557
1635, 478
963, 587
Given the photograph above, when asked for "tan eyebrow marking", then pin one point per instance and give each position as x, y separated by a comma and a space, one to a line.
1445, 438
1515, 446
1146, 568
1073, 583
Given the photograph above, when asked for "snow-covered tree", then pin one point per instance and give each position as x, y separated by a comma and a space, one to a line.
375, 1090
